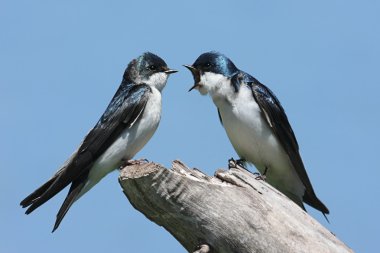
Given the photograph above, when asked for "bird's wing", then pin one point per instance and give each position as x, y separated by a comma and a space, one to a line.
123, 111
278, 122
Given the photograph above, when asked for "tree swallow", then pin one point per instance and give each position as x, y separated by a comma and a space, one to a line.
256, 125
128, 123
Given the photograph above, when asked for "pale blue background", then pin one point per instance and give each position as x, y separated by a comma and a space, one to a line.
62, 61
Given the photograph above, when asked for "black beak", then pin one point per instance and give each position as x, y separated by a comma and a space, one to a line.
170, 71
196, 75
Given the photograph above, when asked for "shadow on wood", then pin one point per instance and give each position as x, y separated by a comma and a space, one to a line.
230, 212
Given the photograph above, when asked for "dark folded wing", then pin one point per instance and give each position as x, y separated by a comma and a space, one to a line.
124, 109
278, 121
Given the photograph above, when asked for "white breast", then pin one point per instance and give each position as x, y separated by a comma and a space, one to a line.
131, 141
253, 139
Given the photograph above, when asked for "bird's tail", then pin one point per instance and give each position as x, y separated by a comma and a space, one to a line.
50, 189
40, 196
74, 193
312, 200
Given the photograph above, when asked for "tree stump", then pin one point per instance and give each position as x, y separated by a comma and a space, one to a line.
230, 212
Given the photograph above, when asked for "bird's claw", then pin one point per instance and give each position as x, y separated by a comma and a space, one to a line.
241, 163
232, 163
261, 176
133, 162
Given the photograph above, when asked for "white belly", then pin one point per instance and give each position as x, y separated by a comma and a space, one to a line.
131, 141
254, 141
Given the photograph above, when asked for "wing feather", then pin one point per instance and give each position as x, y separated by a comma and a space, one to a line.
124, 109
276, 118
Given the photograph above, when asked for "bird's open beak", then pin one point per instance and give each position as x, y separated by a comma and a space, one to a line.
196, 75
170, 71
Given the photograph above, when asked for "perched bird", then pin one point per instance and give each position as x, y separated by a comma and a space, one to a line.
256, 125
128, 123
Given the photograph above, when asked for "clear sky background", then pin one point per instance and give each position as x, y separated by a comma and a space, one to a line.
62, 61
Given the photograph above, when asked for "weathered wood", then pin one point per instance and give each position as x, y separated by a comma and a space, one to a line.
230, 212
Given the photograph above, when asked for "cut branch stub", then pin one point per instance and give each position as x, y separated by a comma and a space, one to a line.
231, 212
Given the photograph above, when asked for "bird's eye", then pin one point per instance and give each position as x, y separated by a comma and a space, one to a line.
207, 65
152, 67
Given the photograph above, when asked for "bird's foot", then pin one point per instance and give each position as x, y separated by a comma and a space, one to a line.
204, 248
232, 163
261, 176
125, 163
242, 163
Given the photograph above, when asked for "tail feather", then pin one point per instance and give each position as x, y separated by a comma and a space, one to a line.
45, 192
34, 200
74, 192
312, 200
74, 171
31, 198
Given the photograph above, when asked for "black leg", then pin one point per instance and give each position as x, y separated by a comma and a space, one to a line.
232, 163
262, 176
241, 162
265, 171
132, 162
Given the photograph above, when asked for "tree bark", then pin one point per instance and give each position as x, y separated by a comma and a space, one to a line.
230, 212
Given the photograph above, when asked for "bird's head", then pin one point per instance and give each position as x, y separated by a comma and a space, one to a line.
210, 70
149, 69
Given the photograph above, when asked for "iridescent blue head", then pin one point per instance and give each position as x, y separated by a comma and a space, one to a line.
216, 63
149, 69
211, 62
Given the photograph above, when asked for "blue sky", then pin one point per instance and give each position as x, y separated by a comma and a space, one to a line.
62, 61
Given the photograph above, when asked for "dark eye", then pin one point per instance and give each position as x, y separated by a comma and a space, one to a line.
152, 67
207, 65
